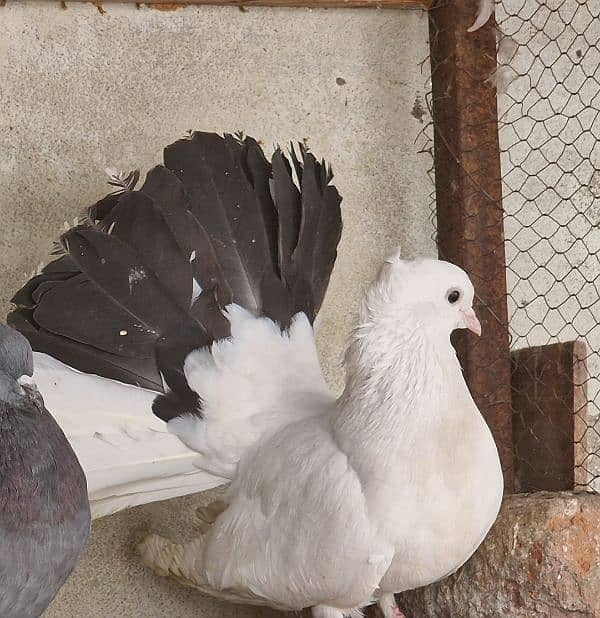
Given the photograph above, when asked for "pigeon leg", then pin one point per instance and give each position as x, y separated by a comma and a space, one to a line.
389, 608
207, 515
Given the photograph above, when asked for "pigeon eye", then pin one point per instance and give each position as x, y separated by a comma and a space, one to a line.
453, 296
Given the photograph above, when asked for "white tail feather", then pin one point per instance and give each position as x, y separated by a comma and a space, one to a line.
126, 452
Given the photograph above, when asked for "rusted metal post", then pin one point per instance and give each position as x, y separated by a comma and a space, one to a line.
469, 201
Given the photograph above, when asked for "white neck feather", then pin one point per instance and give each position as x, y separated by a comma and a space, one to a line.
396, 370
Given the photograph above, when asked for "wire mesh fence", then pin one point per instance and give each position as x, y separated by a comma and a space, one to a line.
549, 115
548, 120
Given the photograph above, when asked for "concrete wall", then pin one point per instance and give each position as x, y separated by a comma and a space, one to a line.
81, 91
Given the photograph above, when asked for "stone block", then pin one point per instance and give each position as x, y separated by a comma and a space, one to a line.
541, 558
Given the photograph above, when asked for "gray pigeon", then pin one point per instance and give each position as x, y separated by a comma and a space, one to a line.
44, 508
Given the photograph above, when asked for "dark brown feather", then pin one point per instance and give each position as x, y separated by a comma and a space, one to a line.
169, 195
319, 234
217, 224
115, 330
141, 372
287, 200
224, 202
125, 278
29, 295
135, 220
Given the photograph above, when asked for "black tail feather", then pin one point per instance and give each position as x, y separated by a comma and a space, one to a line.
146, 280
289, 211
227, 206
170, 405
134, 221
140, 372
258, 173
102, 208
319, 234
63, 264
124, 278
30, 294
114, 330
169, 195
207, 310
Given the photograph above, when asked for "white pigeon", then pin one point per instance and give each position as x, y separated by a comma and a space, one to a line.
389, 487
175, 347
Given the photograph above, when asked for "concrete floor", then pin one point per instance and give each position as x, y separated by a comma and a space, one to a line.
81, 91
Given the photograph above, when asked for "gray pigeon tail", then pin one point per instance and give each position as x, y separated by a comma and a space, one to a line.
44, 508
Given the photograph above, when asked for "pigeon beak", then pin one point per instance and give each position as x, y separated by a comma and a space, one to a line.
471, 321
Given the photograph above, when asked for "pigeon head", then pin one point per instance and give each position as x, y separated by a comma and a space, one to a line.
435, 294
16, 357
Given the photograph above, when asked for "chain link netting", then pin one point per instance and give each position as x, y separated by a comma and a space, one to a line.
548, 86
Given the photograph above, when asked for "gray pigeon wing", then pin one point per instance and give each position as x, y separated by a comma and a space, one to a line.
44, 508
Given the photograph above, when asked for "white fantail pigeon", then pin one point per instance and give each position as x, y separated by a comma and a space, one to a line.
44, 508
176, 350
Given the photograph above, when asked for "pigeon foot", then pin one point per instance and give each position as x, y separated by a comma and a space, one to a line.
158, 553
207, 515
169, 559
389, 608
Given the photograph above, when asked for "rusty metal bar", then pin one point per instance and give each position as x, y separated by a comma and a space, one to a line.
315, 4
549, 402
469, 201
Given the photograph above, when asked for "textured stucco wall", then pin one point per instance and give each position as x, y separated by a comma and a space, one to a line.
81, 91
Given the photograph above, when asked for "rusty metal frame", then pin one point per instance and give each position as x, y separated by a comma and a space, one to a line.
469, 202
